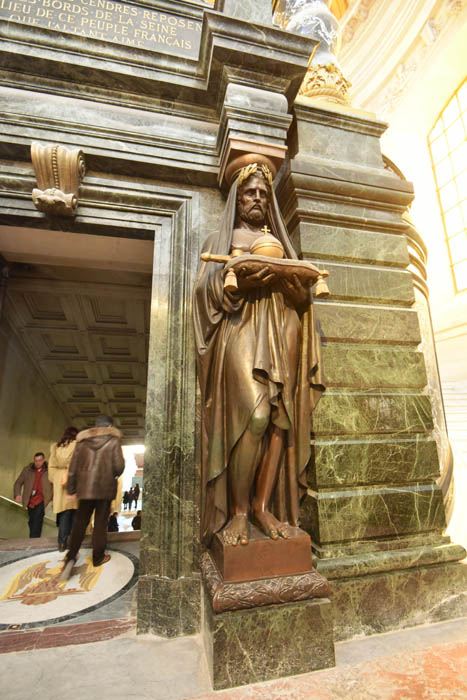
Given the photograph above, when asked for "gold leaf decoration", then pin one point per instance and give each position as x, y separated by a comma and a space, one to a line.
253, 168
246, 172
37, 584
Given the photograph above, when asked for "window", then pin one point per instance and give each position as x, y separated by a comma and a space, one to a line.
448, 148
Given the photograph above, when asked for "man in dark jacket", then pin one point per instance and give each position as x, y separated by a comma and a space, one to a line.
37, 492
96, 464
113, 523
136, 522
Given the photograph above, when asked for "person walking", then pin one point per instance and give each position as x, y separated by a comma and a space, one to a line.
130, 498
96, 464
136, 494
36, 493
125, 498
59, 462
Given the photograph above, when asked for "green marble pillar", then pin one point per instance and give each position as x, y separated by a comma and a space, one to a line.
373, 509
169, 585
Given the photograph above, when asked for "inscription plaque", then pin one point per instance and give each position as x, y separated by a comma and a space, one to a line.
110, 20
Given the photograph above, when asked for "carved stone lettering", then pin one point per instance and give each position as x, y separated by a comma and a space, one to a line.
110, 20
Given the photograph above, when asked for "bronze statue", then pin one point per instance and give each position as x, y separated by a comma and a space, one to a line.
258, 364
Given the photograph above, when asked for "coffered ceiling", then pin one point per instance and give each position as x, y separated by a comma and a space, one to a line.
87, 333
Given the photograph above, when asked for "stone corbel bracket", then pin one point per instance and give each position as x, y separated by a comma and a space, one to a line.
59, 172
252, 120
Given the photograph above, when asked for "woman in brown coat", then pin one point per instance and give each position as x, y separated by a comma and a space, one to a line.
59, 462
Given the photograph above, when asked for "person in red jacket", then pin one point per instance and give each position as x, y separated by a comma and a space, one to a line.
37, 492
96, 464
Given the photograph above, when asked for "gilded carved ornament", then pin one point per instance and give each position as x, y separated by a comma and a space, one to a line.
326, 82
59, 172
324, 79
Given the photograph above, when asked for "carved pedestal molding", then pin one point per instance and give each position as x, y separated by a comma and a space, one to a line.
242, 595
58, 173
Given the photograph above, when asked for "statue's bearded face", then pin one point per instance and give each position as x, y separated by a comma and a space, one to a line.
253, 200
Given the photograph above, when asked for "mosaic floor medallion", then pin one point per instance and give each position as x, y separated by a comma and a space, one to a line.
31, 594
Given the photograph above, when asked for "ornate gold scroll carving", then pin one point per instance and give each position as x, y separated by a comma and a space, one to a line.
58, 174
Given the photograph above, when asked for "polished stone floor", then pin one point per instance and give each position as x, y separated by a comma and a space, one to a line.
395, 666
84, 645
422, 663
97, 603
31, 594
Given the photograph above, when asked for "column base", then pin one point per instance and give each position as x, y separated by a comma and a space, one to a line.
169, 607
260, 644
397, 599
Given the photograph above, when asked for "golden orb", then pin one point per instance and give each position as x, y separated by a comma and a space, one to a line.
268, 246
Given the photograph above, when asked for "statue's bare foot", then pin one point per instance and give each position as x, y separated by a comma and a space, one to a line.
236, 531
271, 526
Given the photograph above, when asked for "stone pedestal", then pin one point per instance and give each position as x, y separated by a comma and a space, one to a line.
250, 646
267, 613
263, 557
264, 572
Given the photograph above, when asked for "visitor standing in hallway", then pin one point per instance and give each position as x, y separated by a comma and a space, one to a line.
136, 522
113, 523
96, 464
136, 494
36, 491
59, 463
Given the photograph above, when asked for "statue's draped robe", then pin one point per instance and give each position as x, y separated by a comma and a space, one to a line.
243, 359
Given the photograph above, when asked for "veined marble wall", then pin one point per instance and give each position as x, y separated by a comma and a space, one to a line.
373, 509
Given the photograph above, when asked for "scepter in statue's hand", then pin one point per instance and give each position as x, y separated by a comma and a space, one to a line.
230, 279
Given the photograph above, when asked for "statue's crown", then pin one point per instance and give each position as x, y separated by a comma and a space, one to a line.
252, 169
248, 164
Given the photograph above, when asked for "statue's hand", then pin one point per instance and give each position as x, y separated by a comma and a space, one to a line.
248, 280
295, 292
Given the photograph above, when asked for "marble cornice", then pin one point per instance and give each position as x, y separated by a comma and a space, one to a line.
272, 119
98, 132
375, 562
108, 96
380, 182
314, 193
258, 49
340, 119
268, 127
149, 148
129, 208
368, 223
235, 75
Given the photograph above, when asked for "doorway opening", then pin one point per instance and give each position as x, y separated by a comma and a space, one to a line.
74, 338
